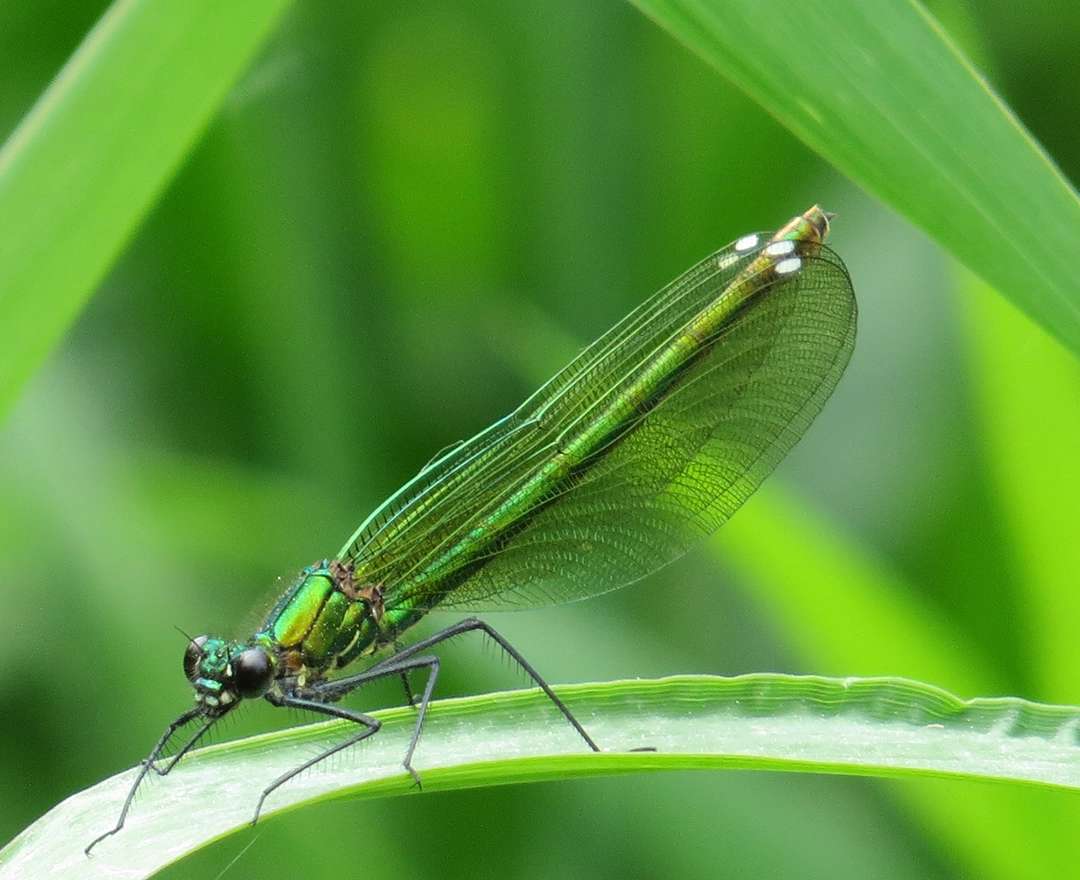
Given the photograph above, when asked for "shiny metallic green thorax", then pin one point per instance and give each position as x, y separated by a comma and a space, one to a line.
326, 621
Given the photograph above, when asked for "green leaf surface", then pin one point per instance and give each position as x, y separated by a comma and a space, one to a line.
877, 726
1030, 406
805, 572
882, 92
87, 163
843, 610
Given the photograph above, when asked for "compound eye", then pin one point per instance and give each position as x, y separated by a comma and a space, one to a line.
193, 657
252, 673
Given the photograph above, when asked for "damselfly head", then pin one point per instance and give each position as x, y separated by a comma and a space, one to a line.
224, 672
193, 657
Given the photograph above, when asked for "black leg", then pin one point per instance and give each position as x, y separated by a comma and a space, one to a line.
370, 725
403, 665
473, 624
148, 765
187, 747
321, 696
406, 660
407, 686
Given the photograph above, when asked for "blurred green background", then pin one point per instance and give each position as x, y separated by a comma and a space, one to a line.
405, 217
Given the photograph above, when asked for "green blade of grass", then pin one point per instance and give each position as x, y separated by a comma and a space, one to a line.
880, 727
881, 92
1030, 408
86, 164
844, 611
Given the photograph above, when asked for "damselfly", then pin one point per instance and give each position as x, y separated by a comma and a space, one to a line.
647, 442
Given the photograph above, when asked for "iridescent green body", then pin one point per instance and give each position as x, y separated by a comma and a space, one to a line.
647, 442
